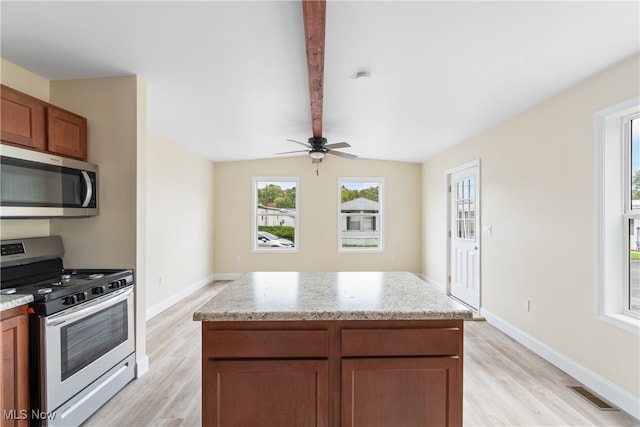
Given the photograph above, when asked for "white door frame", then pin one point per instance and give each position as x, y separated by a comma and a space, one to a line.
448, 195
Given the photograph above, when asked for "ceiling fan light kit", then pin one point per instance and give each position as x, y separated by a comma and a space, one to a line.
314, 16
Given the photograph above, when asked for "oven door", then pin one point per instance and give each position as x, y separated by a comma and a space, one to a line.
84, 342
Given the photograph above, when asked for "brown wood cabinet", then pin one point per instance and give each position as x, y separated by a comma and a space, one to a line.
23, 119
332, 373
32, 123
14, 395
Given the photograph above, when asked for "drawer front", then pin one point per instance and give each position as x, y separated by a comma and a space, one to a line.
402, 342
265, 343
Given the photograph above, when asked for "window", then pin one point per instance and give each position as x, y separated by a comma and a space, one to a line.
631, 128
465, 196
360, 207
618, 214
275, 214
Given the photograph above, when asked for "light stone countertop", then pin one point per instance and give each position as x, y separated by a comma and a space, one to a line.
14, 300
285, 296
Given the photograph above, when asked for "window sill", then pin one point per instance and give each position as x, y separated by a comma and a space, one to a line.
627, 323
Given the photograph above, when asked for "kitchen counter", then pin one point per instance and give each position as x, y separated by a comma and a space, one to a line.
328, 349
14, 300
292, 296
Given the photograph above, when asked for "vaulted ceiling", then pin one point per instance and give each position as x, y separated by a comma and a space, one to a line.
228, 80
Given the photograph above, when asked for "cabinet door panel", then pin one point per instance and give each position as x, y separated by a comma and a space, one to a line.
265, 392
67, 133
424, 391
22, 120
14, 395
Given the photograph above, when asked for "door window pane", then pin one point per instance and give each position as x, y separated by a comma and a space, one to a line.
465, 209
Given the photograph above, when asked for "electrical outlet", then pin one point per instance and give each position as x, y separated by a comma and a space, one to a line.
237, 258
160, 280
526, 305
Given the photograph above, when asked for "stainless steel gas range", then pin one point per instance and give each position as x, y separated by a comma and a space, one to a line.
81, 330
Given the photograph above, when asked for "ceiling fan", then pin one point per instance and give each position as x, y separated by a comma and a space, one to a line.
314, 15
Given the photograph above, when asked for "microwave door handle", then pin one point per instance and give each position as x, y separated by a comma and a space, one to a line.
89, 193
92, 308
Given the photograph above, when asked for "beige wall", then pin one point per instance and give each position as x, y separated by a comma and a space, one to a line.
180, 221
538, 189
23, 80
317, 237
115, 109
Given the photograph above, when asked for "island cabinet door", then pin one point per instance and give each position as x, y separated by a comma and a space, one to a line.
265, 393
422, 391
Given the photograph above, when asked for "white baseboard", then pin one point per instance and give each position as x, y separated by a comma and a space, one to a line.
596, 383
142, 366
159, 308
435, 283
226, 276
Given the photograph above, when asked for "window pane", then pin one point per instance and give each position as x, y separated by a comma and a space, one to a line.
465, 205
360, 208
635, 163
275, 214
634, 265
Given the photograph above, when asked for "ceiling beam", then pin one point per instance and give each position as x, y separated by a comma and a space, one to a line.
314, 14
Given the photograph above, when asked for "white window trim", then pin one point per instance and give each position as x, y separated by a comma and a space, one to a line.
274, 179
610, 256
381, 216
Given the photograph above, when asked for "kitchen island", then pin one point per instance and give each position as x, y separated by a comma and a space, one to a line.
331, 349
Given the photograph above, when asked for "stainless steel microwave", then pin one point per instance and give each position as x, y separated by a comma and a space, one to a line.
42, 185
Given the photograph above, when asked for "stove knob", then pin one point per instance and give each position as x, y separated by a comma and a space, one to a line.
81, 296
70, 300
98, 290
123, 282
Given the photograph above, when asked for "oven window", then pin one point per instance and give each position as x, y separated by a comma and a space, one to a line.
88, 339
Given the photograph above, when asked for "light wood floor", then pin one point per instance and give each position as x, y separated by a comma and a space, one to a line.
504, 383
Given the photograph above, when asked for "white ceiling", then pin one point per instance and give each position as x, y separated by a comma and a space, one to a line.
228, 80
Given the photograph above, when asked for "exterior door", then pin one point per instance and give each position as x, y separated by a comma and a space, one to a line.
464, 259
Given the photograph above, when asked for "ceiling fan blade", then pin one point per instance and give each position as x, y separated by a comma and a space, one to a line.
337, 145
290, 152
314, 14
306, 144
341, 154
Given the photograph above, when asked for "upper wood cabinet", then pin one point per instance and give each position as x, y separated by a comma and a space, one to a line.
32, 123
23, 119
66, 133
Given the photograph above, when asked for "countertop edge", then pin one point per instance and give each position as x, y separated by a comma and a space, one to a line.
16, 300
325, 316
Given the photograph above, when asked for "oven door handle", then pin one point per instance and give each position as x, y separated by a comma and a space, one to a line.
113, 298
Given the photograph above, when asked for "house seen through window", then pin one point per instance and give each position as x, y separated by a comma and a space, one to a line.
275, 225
360, 214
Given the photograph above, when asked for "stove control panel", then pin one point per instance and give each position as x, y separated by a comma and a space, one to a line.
12, 249
73, 299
